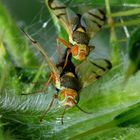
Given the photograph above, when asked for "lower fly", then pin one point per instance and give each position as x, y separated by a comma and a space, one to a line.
64, 80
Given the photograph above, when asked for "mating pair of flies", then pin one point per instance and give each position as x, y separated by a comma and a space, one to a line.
64, 76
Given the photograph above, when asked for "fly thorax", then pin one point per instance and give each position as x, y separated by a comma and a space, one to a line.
68, 97
80, 37
70, 81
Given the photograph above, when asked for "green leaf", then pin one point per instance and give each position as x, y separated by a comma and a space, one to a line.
134, 52
113, 101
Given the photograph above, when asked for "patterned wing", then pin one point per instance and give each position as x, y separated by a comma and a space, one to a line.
93, 20
89, 71
63, 14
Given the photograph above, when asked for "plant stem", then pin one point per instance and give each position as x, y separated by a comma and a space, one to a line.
115, 56
126, 13
107, 3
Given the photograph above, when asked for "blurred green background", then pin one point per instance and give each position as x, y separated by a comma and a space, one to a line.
114, 99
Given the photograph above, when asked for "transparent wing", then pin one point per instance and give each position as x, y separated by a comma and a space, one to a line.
63, 14
90, 71
93, 20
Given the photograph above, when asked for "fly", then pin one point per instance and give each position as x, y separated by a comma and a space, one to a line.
80, 28
64, 80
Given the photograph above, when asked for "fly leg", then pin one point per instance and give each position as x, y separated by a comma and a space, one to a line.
49, 107
66, 60
68, 46
51, 77
62, 117
59, 52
